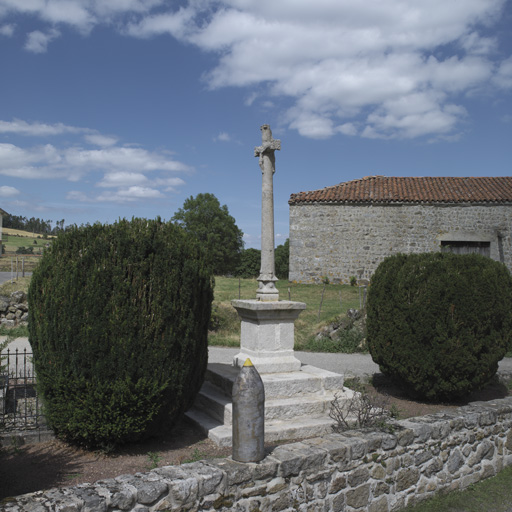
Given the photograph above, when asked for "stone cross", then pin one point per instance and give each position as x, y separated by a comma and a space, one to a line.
266, 287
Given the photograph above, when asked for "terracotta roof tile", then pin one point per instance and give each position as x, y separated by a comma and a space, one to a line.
384, 189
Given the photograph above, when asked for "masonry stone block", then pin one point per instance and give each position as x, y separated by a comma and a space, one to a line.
455, 461
305, 476
358, 476
488, 471
380, 505
405, 436
508, 442
358, 445
358, 497
422, 457
407, 478
381, 488
337, 483
378, 472
337, 503
485, 450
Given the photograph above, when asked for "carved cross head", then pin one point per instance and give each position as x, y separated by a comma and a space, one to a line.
269, 145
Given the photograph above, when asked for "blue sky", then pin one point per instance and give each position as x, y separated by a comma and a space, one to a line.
125, 108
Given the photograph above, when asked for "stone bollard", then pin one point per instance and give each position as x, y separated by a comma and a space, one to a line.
248, 415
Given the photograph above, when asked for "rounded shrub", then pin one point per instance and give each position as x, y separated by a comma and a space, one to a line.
118, 326
439, 323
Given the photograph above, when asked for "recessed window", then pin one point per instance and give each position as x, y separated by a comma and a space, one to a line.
466, 247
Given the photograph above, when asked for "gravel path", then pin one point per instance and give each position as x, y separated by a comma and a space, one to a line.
6, 276
347, 364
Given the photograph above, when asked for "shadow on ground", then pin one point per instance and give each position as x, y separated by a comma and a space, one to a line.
52, 464
22, 467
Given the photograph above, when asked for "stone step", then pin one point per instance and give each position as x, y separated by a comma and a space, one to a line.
297, 404
308, 381
218, 404
274, 430
212, 399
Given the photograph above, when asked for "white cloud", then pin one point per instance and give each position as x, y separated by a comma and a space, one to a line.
503, 77
223, 137
347, 129
131, 173
310, 124
122, 179
337, 59
130, 194
340, 63
126, 158
6, 191
77, 13
78, 196
168, 184
37, 129
37, 41
475, 44
100, 140
7, 30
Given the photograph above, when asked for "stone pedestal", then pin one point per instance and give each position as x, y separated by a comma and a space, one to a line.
268, 334
297, 400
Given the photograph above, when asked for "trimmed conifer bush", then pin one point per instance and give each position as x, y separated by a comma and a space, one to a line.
439, 323
118, 326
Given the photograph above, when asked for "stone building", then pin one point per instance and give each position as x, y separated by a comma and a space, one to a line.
348, 229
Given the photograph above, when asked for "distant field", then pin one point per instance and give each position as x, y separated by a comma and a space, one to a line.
19, 232
12, 240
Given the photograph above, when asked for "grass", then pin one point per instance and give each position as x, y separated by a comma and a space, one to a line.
21, 283
13, 241
337, 299
154, 460
23, 233
492, 494
195, 456
227, 323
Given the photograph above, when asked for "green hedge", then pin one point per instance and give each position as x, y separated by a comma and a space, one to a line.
118, 325
439, 323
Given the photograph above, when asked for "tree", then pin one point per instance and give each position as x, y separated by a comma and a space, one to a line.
118, 325
439, 323
216, 230
282, 260
250, 263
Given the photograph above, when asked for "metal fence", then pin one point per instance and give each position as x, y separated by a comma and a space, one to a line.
20, 408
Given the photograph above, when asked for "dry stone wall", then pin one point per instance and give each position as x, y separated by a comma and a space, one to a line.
356, 471
337, 240
13, 309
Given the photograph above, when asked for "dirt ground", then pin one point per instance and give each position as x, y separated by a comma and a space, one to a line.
29, 468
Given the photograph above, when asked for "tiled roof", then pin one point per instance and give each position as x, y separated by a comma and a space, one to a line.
384, 189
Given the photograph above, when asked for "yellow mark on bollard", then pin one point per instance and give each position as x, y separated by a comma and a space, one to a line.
248, 362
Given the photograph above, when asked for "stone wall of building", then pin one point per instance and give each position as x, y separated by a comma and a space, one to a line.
354, 471
338, 240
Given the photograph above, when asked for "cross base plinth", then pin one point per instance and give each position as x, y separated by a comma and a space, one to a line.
267, 291
267, 334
